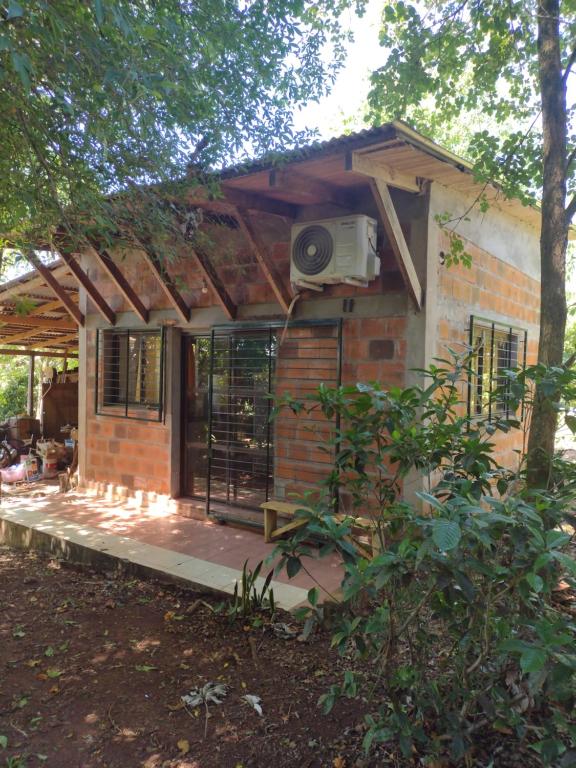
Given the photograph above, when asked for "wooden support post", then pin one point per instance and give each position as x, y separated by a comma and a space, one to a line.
107, 313
59, 291
397, 240
266, 265
30, 396
109, 266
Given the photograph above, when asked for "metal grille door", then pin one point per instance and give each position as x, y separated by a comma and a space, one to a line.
241, 443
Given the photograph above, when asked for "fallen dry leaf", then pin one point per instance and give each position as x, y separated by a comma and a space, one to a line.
184, 746
339, 762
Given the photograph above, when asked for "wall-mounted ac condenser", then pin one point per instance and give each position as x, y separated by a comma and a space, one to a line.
329, 251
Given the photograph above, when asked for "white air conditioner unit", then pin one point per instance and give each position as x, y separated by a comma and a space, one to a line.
341, 250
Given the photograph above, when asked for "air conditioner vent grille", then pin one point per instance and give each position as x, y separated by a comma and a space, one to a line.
312, 250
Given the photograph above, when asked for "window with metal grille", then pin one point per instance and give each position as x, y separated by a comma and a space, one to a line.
129, 373
497, 348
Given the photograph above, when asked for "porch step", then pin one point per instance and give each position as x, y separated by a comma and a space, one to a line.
30, 528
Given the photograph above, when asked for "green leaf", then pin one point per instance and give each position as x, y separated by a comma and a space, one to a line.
535, 581
3, 741
52, 672
15, 10
145, 668
555, 539
21, 64
532, 659
293, 566
313, 596
99, 12
446, 534
432, 500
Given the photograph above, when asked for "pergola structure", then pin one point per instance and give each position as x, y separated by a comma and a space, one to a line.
39, 316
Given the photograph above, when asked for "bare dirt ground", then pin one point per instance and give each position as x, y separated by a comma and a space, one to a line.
93, 668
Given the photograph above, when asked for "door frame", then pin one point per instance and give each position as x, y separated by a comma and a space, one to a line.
231, 328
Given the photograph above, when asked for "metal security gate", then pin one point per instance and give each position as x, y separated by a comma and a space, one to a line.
241, 447
229, 446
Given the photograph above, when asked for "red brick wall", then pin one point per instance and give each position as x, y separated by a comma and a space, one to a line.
123, 452
373, 349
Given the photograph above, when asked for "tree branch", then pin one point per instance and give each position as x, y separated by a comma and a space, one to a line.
570, 160
571, 209
569, 65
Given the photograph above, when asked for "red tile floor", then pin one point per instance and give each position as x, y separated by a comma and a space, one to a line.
222, 544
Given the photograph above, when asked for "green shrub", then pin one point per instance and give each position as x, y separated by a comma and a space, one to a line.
456, 614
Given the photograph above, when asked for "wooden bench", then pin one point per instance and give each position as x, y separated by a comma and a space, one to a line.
272, 509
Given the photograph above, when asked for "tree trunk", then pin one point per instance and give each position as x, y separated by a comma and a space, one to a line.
553, 237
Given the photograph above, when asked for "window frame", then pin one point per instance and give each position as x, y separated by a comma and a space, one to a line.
121, 408
493, 327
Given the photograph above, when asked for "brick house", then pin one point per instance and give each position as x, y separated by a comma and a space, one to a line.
177, 359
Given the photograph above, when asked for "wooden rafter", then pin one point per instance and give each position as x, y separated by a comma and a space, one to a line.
102, 305
112, 270
57, 342
37, 322
207, 270
213, 280
260, 254
15, 338
56, 287
164, 280
50, 306
393, 229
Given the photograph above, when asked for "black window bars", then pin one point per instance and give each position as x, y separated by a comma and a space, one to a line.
497, 347
130, 373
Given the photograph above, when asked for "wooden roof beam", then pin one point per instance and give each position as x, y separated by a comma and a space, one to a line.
260, 253
113, 271
393, 229
164, 280
250, 201
286, 180
37, 352
101, 304
56, 287
37, 322
368, 164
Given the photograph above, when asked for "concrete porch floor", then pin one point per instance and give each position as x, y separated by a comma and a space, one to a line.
205, 554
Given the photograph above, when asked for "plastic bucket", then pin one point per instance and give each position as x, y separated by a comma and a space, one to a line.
50, 468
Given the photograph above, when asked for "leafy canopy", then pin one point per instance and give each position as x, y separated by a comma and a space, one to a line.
474, 58
104, 95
